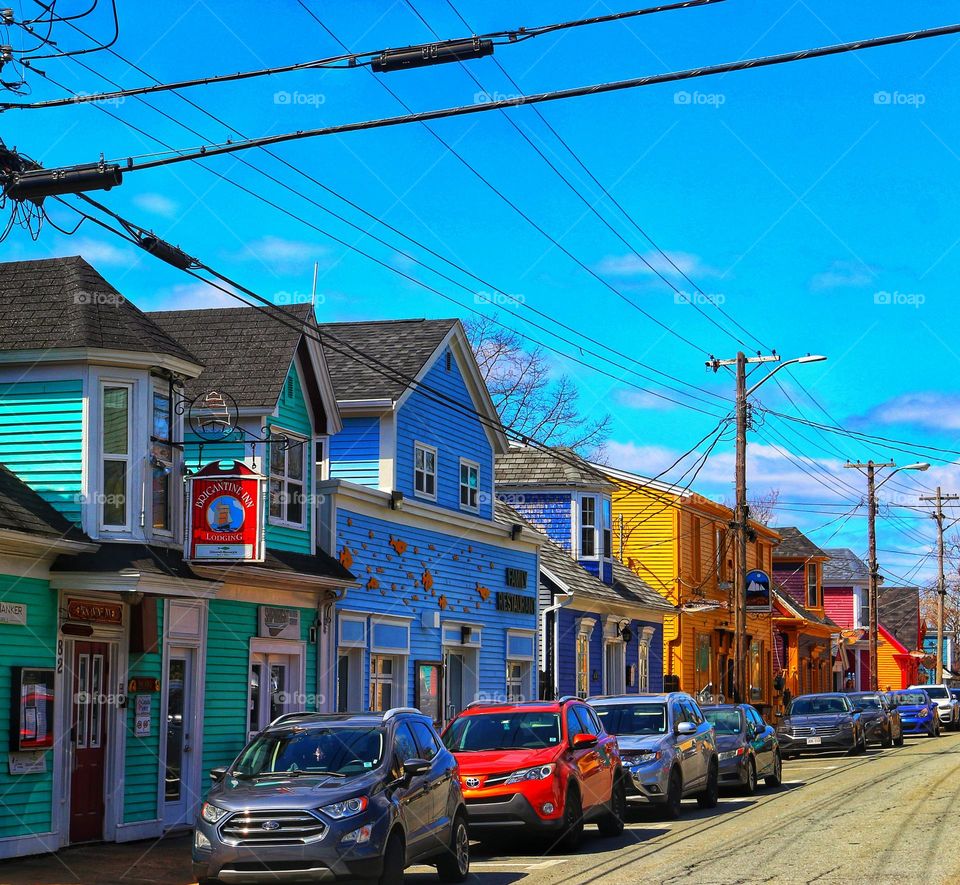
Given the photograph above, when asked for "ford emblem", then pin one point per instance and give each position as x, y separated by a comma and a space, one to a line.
472, 782
270, 825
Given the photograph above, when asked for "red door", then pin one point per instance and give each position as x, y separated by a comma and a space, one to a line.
88, 734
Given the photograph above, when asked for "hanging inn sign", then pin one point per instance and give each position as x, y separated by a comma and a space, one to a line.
225, 514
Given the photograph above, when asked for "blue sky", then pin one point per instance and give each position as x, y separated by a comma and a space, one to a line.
815, 201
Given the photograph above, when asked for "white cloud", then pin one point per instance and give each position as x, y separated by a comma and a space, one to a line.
631, 266
100, 253
938, 411
281, 253
641, 399
193, 296
158, 204
844, 274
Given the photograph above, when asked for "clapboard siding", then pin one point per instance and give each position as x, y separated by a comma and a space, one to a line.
142, 763
355, 452
838, 605
41, 439
428, 418
26, 799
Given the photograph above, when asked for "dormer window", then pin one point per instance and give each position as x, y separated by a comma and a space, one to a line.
115, 450
425, 471
588, 527
813, 600
287, 456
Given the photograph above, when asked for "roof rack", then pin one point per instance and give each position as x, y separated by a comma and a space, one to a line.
284, 718
395, 711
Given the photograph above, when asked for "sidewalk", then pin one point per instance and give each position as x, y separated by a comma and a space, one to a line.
165, 861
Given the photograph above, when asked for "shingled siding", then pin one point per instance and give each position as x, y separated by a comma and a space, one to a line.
292, 415
458, 572
791, 576
142, 764
355, 452
41, 439
548, 511
454, 434
26, 799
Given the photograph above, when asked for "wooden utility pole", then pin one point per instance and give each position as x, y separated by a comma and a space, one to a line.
940, 499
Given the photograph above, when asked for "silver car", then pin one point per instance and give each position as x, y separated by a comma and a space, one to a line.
668, 748
947, 706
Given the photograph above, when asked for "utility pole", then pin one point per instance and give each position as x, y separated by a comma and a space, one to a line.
869, 468
940, 499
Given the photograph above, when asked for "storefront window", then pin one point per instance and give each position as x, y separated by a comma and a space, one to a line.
583, 665
518, 677
756, 671
643, 666
382, 682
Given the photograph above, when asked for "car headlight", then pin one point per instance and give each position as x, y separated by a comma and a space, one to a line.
346, 808
846, 726
730, 754
212, 813
643, 758
922, 712
538, 773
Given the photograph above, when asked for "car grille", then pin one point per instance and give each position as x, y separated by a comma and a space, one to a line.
490, 800
272, 827
495, 780
819, 731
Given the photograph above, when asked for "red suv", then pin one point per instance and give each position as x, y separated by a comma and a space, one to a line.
546, 766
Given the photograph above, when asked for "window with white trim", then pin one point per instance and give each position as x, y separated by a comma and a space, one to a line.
425, 471
643, 665
469, 485
607, 528
521, 647
287, 479
588, 527
161, 461
583, 665
115, 435
389, 652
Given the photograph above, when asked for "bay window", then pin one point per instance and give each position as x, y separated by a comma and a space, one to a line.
115, 424
161, 462
588, 527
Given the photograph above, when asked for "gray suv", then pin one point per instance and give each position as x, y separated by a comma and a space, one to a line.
320, 797
668, 748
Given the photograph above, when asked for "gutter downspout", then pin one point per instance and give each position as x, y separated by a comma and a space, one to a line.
545, 616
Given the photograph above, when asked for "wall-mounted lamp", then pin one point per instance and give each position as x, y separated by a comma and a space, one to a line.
516, 530
624, 631
466, 631
396, 500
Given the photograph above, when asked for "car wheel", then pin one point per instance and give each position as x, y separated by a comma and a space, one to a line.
750, 787
776, 777
611, 824
899, 740
572, 822
711, 795
887, 740
393, 861
454, 864
673, 807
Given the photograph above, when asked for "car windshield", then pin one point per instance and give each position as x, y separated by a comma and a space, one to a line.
909, 698
633, 718
341, 751
725, 721
815, 705
867, 701
937, 691
529, 730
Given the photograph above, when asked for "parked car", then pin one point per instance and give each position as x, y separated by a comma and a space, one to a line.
947, 706
668, 747
817, 722
547, 767
955, 694
918, 714
881, 721
747, 747
335, 796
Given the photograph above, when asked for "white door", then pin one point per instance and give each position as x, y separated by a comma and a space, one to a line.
275, 687
180, 783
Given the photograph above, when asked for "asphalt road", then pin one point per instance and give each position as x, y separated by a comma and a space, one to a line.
887, 817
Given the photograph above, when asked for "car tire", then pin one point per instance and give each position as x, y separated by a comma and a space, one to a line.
899, 740
887, 740
394, 861
572, 822
454, 864
711, 795
673, 807
612, 823
776, 777
750, 787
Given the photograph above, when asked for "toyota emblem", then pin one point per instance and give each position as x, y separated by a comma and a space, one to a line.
270, 825
472, 782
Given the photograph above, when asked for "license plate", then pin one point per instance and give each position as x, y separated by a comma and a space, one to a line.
815, 740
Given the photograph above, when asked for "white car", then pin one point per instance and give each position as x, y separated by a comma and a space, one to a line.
947, 705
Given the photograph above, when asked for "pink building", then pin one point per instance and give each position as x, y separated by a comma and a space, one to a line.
846, 580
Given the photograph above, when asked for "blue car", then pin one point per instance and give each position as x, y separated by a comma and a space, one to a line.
918, 714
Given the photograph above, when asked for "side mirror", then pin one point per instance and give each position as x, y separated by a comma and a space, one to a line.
218, 774
686, 728
414, 767
583, 740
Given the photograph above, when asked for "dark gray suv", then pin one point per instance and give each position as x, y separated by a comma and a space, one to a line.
320, 797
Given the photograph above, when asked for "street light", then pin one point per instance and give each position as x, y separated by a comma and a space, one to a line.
869, 469
741, 520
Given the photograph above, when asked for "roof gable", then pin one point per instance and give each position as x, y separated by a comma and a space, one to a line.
64, 303
795, 544
898, 609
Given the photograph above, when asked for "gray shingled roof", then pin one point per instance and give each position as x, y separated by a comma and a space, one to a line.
844, 568
23, 510
898, 609
525, 466
795, 544
57, 303
403, 345
246, 351
627, 589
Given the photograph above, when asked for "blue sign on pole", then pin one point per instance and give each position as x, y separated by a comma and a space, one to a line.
758, 591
